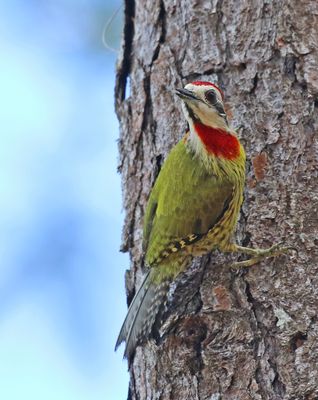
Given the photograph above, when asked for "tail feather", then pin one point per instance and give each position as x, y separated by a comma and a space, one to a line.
142, 313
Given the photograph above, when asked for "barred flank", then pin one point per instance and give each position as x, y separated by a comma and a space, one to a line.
178, 245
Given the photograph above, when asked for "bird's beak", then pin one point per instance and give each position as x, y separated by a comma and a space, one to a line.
185, 94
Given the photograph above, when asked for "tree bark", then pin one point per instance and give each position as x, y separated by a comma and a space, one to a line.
251, 334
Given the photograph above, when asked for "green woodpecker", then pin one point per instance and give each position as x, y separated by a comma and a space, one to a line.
193, 207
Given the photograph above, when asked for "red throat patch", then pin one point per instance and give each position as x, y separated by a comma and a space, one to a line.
218, 142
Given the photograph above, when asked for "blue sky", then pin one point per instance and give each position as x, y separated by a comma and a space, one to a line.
62, 296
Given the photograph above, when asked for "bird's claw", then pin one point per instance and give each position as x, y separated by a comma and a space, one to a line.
260, 254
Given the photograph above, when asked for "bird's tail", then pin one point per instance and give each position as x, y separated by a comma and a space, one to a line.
142, 313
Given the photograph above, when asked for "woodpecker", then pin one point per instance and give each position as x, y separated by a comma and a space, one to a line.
193, 207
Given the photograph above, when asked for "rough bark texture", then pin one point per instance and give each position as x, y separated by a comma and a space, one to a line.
252, 334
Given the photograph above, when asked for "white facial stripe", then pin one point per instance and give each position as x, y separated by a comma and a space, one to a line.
200, 90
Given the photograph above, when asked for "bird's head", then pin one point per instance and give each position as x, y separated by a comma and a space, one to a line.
209, 133
203, 102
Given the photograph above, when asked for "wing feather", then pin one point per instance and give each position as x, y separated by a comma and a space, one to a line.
185, 200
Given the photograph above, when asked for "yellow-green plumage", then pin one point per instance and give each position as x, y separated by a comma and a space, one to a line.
187, 199
192, 209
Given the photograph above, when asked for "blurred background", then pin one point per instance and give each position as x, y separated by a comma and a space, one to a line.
62, 296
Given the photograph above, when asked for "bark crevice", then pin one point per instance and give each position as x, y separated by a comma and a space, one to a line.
124, 65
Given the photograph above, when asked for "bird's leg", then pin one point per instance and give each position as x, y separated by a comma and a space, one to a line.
259, 254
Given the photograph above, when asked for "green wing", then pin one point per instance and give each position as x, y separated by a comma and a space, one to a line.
185, 200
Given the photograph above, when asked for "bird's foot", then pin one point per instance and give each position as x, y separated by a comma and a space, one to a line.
258, 254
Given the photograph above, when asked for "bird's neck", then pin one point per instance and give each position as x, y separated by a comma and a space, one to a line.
217, 147
218, 142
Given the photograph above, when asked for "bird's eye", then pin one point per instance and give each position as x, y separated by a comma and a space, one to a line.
210, 97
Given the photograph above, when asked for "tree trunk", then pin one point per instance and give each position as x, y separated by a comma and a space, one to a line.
251, 334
